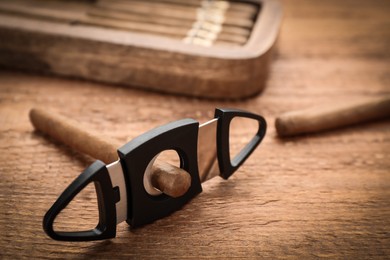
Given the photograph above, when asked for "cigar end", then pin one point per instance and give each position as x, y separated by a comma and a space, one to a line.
281, 126
34, 117
171, 180
31, 114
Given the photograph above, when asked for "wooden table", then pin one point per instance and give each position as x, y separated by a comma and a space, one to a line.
320, 196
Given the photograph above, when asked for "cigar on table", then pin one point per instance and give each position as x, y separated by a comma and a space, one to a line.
165, 177
332, 116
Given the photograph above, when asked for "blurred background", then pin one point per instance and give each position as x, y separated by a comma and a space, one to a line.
120, 68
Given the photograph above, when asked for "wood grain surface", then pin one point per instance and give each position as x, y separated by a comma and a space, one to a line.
317, 196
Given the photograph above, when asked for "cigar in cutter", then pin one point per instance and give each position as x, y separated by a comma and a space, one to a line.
169, 179
332, 116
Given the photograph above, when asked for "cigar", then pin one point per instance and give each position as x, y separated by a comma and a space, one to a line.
167, 178
332, 116
175, 10
170, 23
236, 27
174, 32
232, 5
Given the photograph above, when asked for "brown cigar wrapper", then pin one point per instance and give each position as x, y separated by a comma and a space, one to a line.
333, 116
167, 178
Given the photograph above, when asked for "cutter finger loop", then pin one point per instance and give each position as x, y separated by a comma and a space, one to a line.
106, 197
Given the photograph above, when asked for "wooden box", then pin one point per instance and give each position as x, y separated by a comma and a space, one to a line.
196, 48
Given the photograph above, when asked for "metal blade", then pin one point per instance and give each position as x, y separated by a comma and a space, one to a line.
118, 180
207, 150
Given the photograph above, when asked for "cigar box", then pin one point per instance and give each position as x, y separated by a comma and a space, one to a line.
212, 49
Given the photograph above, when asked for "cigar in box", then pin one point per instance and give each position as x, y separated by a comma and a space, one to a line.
213, 49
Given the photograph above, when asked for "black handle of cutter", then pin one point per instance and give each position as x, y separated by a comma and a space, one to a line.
225, 116
180, 136
106, 228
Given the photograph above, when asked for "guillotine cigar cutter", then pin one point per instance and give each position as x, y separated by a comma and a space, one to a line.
124, 188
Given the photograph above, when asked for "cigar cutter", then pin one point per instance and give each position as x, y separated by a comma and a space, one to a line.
121, 194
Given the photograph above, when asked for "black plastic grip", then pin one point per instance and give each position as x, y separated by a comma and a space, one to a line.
180, 136
106, 228
225, 116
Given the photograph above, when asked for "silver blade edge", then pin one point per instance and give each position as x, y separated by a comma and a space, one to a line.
207, 150
118, 180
